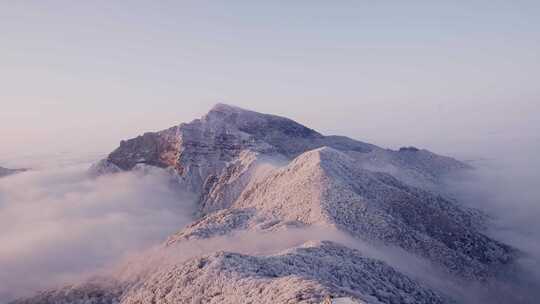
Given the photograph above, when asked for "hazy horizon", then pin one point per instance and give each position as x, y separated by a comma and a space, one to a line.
455, 78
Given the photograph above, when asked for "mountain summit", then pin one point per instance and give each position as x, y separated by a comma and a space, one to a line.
203, 147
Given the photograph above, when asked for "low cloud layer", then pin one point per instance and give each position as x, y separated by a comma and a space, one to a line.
61, 225
506, 186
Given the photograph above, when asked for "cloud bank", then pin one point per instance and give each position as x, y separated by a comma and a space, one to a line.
506, 186
61, 225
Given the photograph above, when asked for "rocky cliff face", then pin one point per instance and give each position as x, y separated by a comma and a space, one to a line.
262, 173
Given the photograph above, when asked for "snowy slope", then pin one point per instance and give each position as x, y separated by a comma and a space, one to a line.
325, 186
301, 275
306, 274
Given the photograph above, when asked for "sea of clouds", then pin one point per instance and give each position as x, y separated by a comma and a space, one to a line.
61, 225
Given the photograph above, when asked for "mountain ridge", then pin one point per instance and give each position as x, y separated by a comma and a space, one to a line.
324, 186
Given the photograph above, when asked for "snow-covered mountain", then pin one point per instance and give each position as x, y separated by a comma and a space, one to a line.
203, 148
260, 173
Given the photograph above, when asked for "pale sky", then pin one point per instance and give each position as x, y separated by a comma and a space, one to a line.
79, 76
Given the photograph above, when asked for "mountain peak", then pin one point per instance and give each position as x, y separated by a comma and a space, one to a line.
323, 154
221, 111
325, 160
223, 107
205, 146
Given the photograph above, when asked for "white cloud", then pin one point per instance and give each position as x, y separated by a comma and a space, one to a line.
60, 225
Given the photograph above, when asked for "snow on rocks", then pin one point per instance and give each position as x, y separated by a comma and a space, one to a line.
310, 273
307, 274
102, 167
